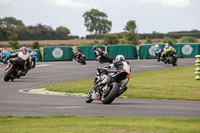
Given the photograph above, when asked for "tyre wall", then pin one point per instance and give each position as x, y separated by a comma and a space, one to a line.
187, 50
129, 51
60, 53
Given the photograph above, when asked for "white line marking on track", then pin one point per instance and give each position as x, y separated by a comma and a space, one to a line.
42, 91
70, 107
149, 66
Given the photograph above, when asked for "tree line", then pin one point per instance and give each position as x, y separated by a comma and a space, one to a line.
95, 21
10, 25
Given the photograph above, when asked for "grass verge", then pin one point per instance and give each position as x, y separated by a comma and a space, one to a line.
176, 83
63, 124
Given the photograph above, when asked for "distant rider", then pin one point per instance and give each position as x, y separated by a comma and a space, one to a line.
122, 65
5, 55
98, 53
32, 62
158, 52
33, 56
75, 53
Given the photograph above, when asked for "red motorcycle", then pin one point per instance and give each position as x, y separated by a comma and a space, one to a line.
80, 58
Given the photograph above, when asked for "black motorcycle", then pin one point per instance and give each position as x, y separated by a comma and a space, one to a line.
79, 57
106, 86
171, 58
105, 58
12, 71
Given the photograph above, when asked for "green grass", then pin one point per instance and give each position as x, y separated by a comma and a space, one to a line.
75, 124
176, 83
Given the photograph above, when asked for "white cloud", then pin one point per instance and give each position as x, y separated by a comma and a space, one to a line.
74, 4
7, 2
173, 3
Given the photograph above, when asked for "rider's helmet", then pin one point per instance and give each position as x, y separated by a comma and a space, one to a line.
166, 45
74, 47
33, 53
119, 58
156, 46
94, 47
23, 50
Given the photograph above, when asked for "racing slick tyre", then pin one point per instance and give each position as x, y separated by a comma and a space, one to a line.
8, 73
82, 60
88, 98
111, 94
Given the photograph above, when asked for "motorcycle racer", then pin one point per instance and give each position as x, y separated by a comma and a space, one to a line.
76, 54
166, 50
122, 65
98, 53
5, 55
101, 56
158, 52
33, 56
22, 57
32, 62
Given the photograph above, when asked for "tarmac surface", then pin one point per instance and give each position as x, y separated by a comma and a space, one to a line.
13, 100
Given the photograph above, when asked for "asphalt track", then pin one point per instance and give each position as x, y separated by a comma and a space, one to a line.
14, 102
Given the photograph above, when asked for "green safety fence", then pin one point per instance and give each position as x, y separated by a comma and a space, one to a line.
187, 50
39, 55
88, 51
147, 51
60, 53
129, 51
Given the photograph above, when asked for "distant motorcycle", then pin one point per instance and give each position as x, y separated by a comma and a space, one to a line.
12, 71
106, 86
79, 57
158, 54
105, 58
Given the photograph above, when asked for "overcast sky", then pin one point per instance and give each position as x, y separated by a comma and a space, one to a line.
150, 15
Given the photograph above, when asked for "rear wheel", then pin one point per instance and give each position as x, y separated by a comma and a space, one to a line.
111, 94
8, 74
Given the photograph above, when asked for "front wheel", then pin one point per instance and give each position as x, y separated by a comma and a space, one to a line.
82, 60
111, 94
8, 74
174, 61
88, 98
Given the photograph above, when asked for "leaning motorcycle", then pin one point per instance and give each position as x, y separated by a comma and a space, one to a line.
105, 58
171, 58
106, 86
12, 71
80, 58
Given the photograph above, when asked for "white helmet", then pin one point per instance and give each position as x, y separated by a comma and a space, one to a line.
156, 46
119, 58
166, 45
33, 53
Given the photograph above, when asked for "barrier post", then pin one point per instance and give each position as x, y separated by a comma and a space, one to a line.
197, 70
